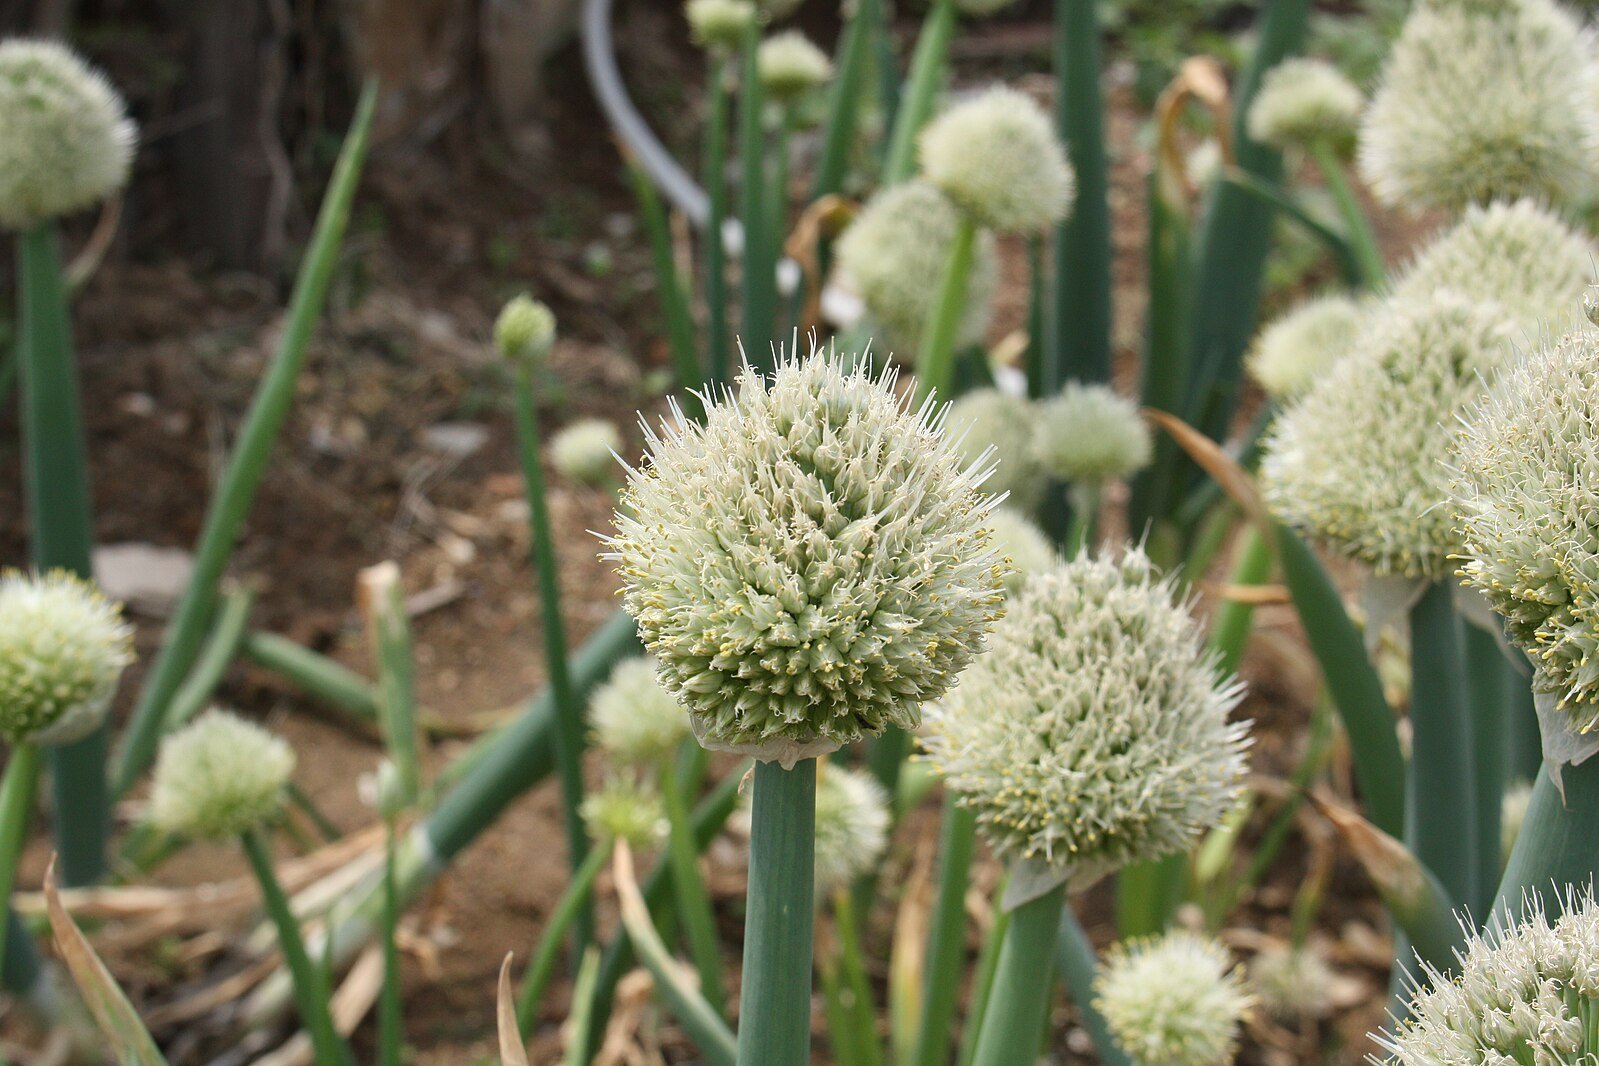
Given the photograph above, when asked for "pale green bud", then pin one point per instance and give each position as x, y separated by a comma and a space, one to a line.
525, 331
790, 66
585, 451
1023, 545
63, 647
219, 777
635, 720
624, 809
988, 421
1176, 1000
1089, 435
997, 156
721, 24
852, 823
1296, 350
1303, 103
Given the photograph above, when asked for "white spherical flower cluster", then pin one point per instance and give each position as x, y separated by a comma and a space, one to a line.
1095, 732
63, 647
635, 720
990, 421
1526, 490
524, 333
218, 777
1524, 994
1295, 351
1519, 255
721, 24
997, 156
894, 255
1023, 544
1303, 103
1481, 102
851, 826
1361, 460
1089, 435
811, 563
624, 809
585, 451
65, 138
790, 66
1176, 1000
1292, 983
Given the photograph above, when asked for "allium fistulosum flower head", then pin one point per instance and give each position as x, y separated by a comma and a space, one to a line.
997, 156
1176, 1000
625, 809
1023, 545
1361, 460
809, 565
524, 333
985, 420
584, 451
1089, 435
218, 777
65, 138
635, 720
1524, 992
1484, 101
790, 65
1292, 983
893, 255
1294, 351
721, 24
851, 826
1095, 732
63, 647
1304, 102
1525, 491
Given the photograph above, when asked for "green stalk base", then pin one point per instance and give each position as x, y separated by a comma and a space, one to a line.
1559, 842
1440, 805
1019, 1004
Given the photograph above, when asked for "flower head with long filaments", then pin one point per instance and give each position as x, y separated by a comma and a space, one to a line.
1304, 102
1095, 732
218, 777
65, 139
1089, 435
997, 156
811, 563
1293, 352
1483, 101
1175, 1000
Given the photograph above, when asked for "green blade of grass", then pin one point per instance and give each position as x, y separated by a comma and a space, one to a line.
693, 902
759, 252
1491, 689
547, 953
319, 677
214, 659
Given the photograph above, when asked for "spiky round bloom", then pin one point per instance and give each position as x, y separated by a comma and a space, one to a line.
1303, 103
851, 826
997, 156
1089, 435
1175, 1000
811, 564
65, 138
1291, 983
63, 647
1525, 491
790, 66
721, 24
995, 422
1517, 254
218, 777
635, 720
625, 809
1481, 102
1512, 816
894, 255
1361, 460
525, 331
1094, 733
1296, 350
1521, 993
1023, 545
585, 451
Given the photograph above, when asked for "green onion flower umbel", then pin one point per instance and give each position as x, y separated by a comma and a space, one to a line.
635, 719
1526, 491
790, 66
720, 24
1484, 101
997, 156
1295, 351
624, 809
63, 647
218, 777
893, 257
1175, 1000
988, 420
1361, 461
1094, 733
525, 331
585, 451
1088, 434
1023, 545
1528, 993
851, 826
811, 564
1304, 102
65, 139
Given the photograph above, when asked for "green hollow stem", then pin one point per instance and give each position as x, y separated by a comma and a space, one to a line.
1013, 1027
774, 1026
391, 1020
56, 484
861, 1016
1440, 804
1558, 846
983, 978
921, 88
777, 198
1148, 894
215, 657
1039, 348
389, 634
1083, 298
231, 504
1491, 687
1083, 507
579, 889
569, 736
311, 991
935, 375
17, 791
717, 342
319, 677
1525, 743
1229, 630
1357, 227
1079, 966
844, 100
759, 256
674, 297
693, 902
946, 939
588, 974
